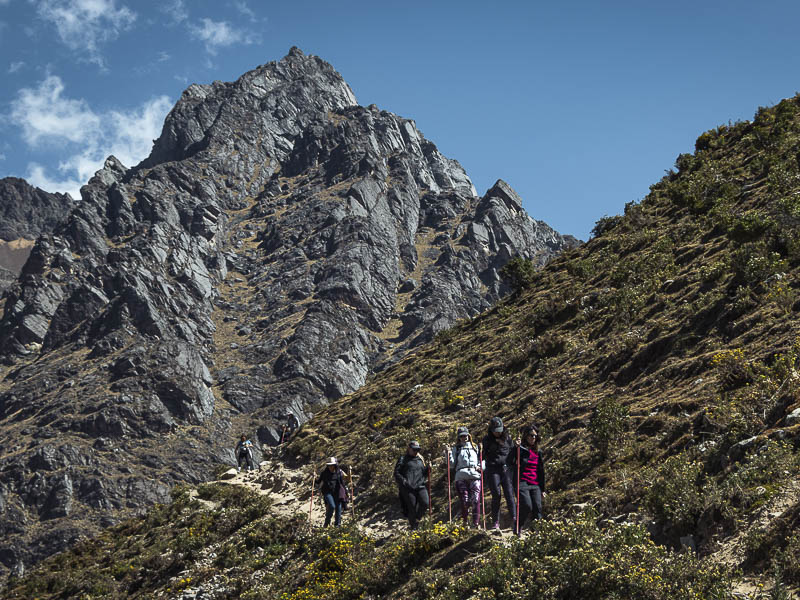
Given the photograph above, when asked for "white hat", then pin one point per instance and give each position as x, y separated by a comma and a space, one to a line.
332, 461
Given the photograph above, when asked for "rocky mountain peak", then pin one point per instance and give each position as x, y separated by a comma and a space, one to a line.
274, 101
279, 245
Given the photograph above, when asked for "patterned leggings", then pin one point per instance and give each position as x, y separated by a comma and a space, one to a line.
469, 493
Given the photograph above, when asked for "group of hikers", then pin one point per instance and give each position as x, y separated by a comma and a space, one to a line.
505, 464
511, 468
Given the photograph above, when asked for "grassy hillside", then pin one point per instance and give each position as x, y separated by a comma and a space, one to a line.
659, 360
225, 543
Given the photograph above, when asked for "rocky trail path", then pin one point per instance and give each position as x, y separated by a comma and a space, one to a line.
290, 490
733, 550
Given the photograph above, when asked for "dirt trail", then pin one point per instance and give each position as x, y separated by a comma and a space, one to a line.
290, 491
733, 550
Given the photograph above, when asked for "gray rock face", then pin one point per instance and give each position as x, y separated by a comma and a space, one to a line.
25, 213
279, 244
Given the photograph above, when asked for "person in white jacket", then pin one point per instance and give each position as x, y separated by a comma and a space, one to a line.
464, 461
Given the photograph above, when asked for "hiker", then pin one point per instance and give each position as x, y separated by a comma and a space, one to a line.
531, 476
292, 424
411, 474
244, 453
464, 461
497, 446
333, 491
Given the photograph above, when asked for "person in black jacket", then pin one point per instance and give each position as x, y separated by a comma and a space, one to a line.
411, 474
333, 491
531, 476
497, 447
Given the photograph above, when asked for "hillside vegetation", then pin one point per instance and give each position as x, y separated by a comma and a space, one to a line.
659, 361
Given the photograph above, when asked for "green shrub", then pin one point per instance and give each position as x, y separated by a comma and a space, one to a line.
518, 273
578, 559
750, 226
732, 367
607, 425
675, 495
605, 224
753, 263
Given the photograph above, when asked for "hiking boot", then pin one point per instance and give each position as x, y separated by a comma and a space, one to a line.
238, 469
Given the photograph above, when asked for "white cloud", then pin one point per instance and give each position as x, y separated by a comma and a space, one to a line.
43, 114
242, 7
163, 56
16, 66
84, 25
49, 119
176, 10
219, 34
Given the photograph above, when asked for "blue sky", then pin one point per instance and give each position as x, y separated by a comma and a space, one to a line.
579, 105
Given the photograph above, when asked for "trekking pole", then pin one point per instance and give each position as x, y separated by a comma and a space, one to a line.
449, 499
517, 522
283, 432
430, 502
353, 492
311, 504
480, 468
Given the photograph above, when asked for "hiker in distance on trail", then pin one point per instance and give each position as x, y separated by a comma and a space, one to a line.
244, 453
531, 480
411, 474
464, 461
333, 490
497, 449
292, 425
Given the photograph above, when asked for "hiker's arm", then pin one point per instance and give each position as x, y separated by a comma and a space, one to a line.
398, 474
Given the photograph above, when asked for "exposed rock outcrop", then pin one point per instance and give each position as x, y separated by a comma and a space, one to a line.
279, 244
25, 213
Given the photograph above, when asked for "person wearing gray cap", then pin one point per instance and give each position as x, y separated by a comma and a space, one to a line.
464, 461
497, 447
411, 473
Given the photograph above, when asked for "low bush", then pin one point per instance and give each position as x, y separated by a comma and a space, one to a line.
607, 426
578, 559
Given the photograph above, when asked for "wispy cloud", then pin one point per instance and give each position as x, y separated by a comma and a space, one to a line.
163, 56
48, 118
85, 25
15, 66
242, 7
175, 10
219, 34
2, 156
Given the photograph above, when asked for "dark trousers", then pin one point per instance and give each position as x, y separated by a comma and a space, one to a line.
246, 457
332, 505
530, 502
501, 478
417, 503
